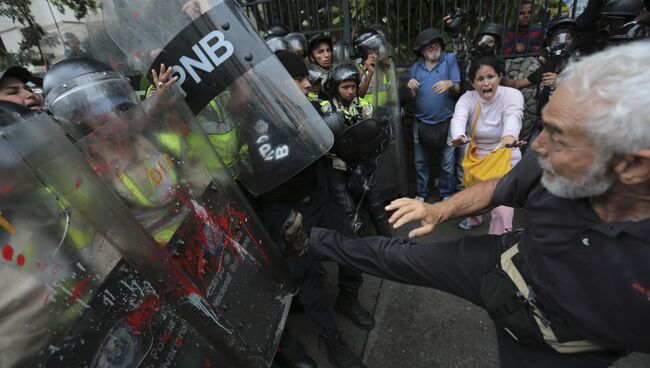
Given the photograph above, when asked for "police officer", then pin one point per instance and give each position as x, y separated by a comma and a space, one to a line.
371, 49
307, 191
344, 178
319, 50
297, 43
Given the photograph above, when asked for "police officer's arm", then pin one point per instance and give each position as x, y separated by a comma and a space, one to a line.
367, 71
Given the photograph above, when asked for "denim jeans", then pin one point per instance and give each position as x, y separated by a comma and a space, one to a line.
451, 159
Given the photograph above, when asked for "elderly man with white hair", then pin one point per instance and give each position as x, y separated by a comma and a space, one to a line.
572, 289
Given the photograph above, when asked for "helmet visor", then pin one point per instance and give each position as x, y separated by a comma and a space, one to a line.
89, 100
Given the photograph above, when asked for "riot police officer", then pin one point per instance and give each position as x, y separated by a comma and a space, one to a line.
370, 48
319, 50
342, 84
307, 191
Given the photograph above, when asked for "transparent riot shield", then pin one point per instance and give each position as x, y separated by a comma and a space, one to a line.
157, 160
229, 75
383, 95
68, 297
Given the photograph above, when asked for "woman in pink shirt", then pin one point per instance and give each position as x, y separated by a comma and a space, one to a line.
498, 125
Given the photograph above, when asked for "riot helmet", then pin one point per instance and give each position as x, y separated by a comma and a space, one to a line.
297, 43
615, 14
425, 37
629, 32
562, 32
275, 42
341, 52
317, 76
339, 74
488, 38
277, 29
369, 41
316, 55
82, 93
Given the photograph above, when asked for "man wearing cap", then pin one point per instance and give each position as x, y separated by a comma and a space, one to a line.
433, 81
13, 88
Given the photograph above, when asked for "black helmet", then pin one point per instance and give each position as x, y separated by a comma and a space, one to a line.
275, 42
362, 141
316, 74
628, 8
341, 52
630, 31
339, 74
277, 29
367, 40
316, 39
492, 29
78, 89
17, 72
562, 25
11, 113
297, 43
425, 37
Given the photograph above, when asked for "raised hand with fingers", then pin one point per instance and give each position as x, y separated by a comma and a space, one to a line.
161, 80
407, 210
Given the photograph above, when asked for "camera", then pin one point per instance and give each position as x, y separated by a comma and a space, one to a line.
456, 18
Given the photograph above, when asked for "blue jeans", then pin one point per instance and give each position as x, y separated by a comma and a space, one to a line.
451, 159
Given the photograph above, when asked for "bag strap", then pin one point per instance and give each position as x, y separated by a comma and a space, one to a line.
478, 112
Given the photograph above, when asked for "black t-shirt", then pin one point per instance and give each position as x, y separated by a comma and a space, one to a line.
595, 274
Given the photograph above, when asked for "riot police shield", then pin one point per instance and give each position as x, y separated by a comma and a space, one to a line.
102, 47
226, 70
156, 159
383, 95
68, 296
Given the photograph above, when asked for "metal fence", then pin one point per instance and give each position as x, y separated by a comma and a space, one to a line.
401, 20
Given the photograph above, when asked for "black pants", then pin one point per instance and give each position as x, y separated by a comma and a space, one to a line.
456, 267
338, 182
322, 212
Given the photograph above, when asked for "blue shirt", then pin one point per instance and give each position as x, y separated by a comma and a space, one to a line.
432, 108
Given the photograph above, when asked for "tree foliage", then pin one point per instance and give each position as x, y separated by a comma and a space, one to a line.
19, 11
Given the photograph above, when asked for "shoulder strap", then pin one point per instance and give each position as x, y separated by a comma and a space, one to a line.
478, 112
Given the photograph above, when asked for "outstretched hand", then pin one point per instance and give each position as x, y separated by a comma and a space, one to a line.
407, 210
509, 142
161, 80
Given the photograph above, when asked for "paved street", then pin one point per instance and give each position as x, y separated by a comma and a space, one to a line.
418, 327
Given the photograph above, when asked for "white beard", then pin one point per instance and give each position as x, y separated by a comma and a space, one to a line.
432, 56
594, 183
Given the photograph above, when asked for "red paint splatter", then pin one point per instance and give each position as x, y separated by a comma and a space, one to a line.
8, 252
77, 183
6, 189
179, 342
136, 14
166, 337
637, 286
137, 54
143, 314
78, 289
207, 362
20, 260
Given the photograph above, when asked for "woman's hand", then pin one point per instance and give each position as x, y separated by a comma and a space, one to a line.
459, 141
162, 81
509, 142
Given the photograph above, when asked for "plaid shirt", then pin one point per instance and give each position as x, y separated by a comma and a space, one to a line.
532, 36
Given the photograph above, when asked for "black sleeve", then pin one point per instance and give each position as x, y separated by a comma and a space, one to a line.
513, 189
536, 76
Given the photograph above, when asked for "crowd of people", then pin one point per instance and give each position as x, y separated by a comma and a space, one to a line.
582, 176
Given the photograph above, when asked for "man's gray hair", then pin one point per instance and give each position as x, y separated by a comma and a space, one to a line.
615, 86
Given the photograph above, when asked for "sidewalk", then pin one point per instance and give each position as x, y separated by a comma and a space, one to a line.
417, 327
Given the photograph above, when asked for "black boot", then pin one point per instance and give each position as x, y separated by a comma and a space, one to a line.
339, 353
348, 305
291, 354
296, 241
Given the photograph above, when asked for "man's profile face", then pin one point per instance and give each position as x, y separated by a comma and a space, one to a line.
525, 13
573, 168
14, 90
303, 84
